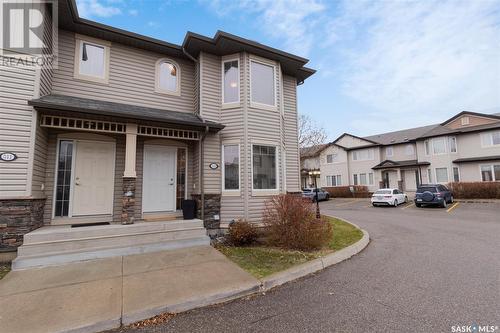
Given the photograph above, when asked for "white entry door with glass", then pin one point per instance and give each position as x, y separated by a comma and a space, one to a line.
84, 178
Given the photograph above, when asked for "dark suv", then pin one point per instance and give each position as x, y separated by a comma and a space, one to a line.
433, 194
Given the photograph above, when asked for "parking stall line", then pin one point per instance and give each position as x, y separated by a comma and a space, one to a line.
409, 205
452, 207
346, 203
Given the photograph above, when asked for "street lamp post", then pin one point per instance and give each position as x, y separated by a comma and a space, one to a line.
316, 174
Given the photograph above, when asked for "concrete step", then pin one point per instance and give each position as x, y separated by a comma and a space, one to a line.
38, 261
58, 233
83, 244
63, 244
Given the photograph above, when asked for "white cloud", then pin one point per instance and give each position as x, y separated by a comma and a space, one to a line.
420, 62
291, 21
133, 12
93, 8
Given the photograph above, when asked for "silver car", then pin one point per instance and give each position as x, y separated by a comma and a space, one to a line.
310, 193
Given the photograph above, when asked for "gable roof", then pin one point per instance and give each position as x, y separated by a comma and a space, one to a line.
222, 43
312, 151
401, 136
354, 136
423, 132
387, 164
458, 115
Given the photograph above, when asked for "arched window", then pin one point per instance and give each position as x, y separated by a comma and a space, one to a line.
167, 77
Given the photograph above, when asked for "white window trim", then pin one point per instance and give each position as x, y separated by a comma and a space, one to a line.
368, 159
453, 174
447, 173
465, 121
490, 134
450, 138
387, 152
336, 180
158, 90
267, 191
412, 149
445, 146
492, 169
231, 192
428, 152
238, 102
266, 62
79, 40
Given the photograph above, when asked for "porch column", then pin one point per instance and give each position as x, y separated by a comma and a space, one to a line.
400, 180
129, 175
130, 150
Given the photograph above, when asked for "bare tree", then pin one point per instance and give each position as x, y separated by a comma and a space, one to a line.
310, 133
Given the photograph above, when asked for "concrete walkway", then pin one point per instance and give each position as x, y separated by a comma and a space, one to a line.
101, 294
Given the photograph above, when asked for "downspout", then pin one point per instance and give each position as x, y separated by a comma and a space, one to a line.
419, 169
202, 162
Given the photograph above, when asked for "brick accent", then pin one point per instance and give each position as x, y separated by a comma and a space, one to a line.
128, 200
212, 208
17, 218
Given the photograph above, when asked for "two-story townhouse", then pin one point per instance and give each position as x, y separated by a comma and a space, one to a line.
127, 127
465, 148
309, 162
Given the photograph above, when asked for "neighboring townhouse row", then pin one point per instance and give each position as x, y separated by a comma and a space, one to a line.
464, 148
128, 126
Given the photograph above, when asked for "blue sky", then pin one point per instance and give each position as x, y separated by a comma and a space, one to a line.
382, 65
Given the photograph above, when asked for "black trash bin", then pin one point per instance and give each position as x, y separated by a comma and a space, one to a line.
188, 209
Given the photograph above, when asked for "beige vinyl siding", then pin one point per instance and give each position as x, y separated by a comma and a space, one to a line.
118, 185
39, 161
291, 134
131, 78
17, 86
50, 170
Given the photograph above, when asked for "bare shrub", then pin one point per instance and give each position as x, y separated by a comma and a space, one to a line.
475, 190
291, 223
242, 233
360, 191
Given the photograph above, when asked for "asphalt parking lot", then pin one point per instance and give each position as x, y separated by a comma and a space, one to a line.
425, 270
480, 212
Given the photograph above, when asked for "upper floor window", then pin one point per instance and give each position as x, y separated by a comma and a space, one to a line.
264, 170
330, 158
92, 60
362, 155
231, 81
439, 146
167, 77
465, 121
453, 144
490, 139
389, 152
231, 167
263, 85
427, 144
409, 150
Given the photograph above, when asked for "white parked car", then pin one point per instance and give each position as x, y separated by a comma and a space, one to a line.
389, 197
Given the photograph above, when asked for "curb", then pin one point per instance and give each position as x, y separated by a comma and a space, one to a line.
316, 265
477, 200
265, 284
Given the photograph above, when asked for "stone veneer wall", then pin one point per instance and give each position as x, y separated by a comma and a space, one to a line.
17, 218
128, 201
212, 208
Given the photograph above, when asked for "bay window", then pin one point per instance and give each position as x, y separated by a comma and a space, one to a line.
231, 167
230, 81
262, 83
264, 170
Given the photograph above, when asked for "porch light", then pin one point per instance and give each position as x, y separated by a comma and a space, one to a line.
316, 174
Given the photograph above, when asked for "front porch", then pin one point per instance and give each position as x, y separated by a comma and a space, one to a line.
403, 175
114, 163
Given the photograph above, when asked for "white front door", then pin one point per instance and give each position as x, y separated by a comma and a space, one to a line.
159, 181
93, 178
